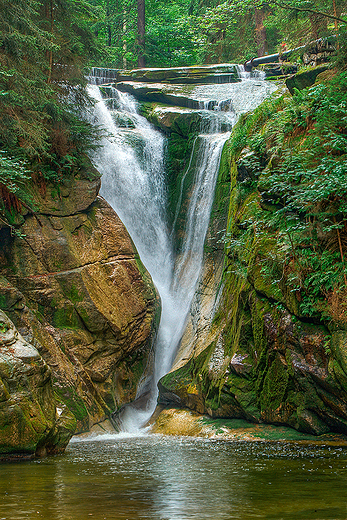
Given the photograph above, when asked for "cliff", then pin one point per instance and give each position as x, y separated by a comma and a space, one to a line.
73, 285
266, 342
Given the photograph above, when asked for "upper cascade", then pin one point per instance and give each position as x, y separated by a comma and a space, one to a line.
221, 73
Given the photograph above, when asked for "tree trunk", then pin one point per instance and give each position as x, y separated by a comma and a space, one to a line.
318, 25
108, 28
260, 31
141, 32
50, 53
124, 40
335, 14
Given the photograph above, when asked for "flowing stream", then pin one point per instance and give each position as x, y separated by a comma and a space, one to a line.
132, 163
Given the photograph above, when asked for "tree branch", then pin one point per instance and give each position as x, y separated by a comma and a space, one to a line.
306, 10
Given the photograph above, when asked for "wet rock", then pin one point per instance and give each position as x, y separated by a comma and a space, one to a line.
27, 405
158, 93
305, 78
221, 73
171, 119
76, 289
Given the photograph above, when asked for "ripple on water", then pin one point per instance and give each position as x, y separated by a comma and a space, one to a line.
167, 478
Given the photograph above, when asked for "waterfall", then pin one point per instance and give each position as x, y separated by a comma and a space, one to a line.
132, 162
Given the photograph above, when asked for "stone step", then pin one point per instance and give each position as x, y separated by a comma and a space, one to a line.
221, 73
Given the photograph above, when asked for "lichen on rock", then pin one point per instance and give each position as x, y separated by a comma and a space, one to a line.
72, 282
27, 404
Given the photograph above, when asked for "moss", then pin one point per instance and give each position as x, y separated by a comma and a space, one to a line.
146, 109
71, 291
213, 400
260, 340
66, 318
305, 78
275, 385
180, 378
3, 301
74, 403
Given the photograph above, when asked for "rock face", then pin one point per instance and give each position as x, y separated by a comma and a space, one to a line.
248, 352
74, 286
27, 406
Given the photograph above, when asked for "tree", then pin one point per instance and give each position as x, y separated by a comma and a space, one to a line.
260, 30
141, 32
44, 48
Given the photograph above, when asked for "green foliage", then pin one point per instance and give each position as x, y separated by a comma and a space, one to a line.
188, 32
298, 226
45, 46
13, 194
13, 173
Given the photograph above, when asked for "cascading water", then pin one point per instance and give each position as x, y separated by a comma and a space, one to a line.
131, 160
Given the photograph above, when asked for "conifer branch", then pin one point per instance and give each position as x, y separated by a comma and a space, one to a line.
307, 10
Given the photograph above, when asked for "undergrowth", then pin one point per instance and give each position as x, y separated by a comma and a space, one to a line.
297, 151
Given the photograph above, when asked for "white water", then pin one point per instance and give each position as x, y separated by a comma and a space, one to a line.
133, 182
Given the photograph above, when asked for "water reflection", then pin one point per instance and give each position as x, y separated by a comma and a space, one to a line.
163, 478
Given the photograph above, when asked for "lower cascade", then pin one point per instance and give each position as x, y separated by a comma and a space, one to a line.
132, 161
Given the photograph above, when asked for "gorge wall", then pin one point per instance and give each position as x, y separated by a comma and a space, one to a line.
74, 287
84, 312
254, 348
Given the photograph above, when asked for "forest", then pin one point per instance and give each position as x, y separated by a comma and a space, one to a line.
48, 46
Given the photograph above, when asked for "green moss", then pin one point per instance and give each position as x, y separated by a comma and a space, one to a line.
71, 291
304, 78
3, 302
74, 403
179, 378
274, 386
66, 318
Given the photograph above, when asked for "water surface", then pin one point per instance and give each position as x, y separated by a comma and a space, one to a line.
170, 478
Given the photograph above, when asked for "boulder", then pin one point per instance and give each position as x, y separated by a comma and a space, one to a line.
304, 79
72, 282
27, 405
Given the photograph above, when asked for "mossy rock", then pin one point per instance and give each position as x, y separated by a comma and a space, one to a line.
27, 404
223, 73
121, 120
305, 78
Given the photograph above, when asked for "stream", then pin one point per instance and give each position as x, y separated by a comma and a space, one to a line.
154, 477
